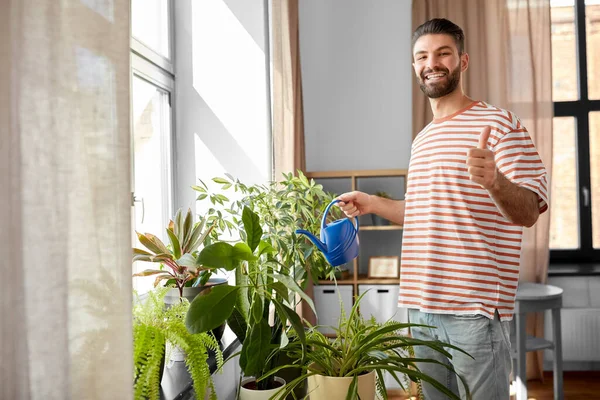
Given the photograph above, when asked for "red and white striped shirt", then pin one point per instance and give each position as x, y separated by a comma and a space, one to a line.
460, 255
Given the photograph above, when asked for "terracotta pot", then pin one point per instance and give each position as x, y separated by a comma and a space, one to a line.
335, 388
250, 394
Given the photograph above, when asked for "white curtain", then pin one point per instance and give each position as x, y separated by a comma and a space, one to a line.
65, 291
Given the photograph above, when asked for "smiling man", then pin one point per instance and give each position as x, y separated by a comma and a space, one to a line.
475, 180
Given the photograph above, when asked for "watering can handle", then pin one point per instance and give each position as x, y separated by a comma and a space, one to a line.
324, 220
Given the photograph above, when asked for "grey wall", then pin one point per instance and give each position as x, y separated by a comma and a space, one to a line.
221, 97
356, 73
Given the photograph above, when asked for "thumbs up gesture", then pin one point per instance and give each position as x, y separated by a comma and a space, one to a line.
480, 162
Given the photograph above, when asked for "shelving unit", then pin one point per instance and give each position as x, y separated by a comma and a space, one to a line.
354, 178
381, 293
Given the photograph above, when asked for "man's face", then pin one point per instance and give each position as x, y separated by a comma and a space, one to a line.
438, 65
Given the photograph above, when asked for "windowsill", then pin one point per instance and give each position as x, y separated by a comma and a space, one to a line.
177, 382
574, 269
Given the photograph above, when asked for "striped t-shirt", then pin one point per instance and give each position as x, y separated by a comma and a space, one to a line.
460, 255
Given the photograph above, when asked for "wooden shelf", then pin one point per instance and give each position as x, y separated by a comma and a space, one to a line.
357, 173
377, 281
381, 228
339, 282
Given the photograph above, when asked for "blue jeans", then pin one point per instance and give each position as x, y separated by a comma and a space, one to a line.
487, 341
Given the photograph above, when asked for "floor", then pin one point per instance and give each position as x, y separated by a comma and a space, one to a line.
578, 385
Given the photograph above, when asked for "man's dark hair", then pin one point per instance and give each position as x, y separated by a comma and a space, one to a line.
441, 26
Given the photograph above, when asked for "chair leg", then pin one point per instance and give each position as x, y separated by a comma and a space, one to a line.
557, 338
521, 357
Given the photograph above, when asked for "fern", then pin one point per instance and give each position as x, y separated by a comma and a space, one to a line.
154, 325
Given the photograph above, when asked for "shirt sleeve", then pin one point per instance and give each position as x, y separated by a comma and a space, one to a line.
518, 160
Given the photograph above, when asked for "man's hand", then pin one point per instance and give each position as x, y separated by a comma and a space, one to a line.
355, 203
480, 162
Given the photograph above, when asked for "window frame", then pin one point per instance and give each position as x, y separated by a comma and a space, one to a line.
152, 67
580, 109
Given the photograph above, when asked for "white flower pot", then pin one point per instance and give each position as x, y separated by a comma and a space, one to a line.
335, 388
249, 394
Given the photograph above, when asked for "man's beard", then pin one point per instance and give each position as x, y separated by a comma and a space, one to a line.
440, 89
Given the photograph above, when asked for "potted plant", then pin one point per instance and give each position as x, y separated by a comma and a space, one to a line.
260, 308
294, 202
352, 365
377, 220
153, 325
177, 261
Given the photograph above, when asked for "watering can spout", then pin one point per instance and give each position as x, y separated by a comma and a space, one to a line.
322, 246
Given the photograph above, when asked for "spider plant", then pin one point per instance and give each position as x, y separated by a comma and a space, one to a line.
360, 347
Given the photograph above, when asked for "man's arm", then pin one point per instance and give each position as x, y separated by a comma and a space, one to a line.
518, 204
389, 209
358, 203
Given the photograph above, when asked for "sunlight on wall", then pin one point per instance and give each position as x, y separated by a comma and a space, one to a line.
207, 165
229, 74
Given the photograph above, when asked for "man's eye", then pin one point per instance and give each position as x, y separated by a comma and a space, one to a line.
421, 58
445, 54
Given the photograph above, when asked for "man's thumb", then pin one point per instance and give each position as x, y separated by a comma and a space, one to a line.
483, 138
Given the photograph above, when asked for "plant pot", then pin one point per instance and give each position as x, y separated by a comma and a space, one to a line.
190, 293
379, 221
322, 387
252, 394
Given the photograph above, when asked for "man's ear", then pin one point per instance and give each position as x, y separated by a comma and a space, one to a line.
464, 62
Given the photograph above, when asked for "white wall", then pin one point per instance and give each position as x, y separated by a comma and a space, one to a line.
356, 73
221, 93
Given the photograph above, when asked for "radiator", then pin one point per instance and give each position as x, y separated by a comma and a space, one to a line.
580, 334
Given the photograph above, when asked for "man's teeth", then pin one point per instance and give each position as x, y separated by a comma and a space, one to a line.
433, 76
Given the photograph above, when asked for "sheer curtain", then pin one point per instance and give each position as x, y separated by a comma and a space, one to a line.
288, 113
508, 42
65, 294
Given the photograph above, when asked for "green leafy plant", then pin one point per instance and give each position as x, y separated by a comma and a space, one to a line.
154, 325
295, 202
177, 261
261, 282
362, 346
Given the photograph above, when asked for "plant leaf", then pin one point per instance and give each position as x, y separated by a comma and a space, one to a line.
256, 348
149, 272
187, 231
265, 248
174, 243
223, 255
291, 284
252, 227
152, 243
237, 324
287, 313
141, 252
221, 181
162, 277
187, 260
209, 310
198, 238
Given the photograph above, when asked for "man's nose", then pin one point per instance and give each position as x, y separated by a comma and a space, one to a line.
433, 62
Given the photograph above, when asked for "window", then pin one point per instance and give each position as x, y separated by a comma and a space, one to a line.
152, 84
575, 222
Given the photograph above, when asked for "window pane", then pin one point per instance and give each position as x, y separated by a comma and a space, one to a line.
564, 55
592, 26
564, 224
595, 175
151, 143
150, 24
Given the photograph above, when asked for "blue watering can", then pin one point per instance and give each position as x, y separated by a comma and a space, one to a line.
339, 239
